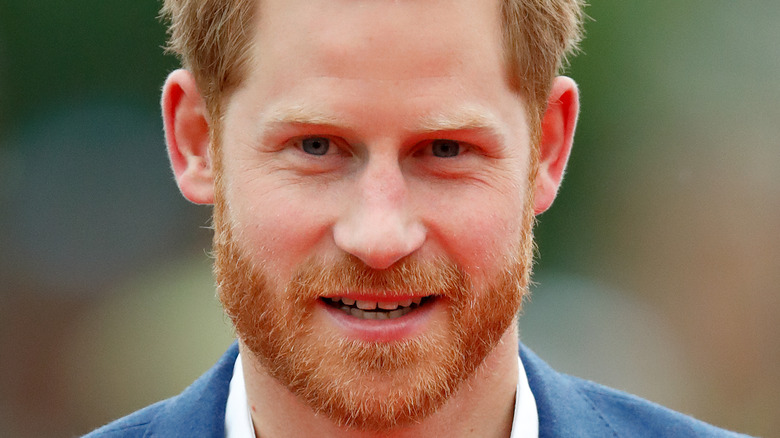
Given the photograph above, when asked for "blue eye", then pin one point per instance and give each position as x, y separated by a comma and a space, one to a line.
445, 148
315, 145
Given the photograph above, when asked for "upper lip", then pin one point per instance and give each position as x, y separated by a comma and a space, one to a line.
378, 297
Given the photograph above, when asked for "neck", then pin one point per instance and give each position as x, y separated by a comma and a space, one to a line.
483, 406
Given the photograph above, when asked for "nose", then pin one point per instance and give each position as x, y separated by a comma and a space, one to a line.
378, 225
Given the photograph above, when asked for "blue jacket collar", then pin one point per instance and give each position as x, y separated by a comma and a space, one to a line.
200, 409
563, 410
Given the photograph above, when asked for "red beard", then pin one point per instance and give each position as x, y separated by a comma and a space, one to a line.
371, 386
358, 384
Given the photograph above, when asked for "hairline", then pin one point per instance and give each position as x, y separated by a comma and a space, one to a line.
217, 98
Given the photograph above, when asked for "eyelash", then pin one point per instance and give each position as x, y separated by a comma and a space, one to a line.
333, 144
341, 147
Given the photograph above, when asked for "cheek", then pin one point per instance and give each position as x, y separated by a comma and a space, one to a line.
278, 229
482, 234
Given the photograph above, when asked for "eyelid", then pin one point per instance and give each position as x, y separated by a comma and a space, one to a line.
337, 144
425, 147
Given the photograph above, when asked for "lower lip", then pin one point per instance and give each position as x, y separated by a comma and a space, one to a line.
383, 330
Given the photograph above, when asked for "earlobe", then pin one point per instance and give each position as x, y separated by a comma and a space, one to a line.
186, 122
557, 137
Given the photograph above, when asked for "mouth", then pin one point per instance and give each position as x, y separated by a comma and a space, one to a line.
379, 310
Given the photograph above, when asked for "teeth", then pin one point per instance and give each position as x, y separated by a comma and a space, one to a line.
388, 306
397, 313
371, 305
366, 305
376, 309
363, 314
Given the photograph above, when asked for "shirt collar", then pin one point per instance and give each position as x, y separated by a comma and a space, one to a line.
238, 421
525, 423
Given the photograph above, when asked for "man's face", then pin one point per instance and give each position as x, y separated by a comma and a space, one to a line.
373, 218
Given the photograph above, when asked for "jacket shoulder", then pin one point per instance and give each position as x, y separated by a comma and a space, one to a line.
629, 415
198, 411
572, 407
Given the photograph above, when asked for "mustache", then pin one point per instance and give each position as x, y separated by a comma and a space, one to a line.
410, 276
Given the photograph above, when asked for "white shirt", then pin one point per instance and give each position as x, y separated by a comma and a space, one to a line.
238, 421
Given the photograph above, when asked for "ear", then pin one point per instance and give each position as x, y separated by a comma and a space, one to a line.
557, 137
187, 137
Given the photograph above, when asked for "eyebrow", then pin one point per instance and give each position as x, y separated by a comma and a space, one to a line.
301, 114
465, 118
461, 119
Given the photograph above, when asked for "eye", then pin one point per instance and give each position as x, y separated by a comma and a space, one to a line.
445, 148
315, 145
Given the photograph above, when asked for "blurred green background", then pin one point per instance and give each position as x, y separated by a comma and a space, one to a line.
658, 269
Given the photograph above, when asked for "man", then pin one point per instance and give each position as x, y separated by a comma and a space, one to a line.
375, 168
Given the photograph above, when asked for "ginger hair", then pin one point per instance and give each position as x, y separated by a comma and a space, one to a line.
212, 39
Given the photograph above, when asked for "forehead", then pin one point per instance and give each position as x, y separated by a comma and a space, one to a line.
379, 39
378, 65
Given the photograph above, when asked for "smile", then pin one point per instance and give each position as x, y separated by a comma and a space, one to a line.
376, 309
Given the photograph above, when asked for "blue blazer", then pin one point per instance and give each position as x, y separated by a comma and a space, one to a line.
567, 406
